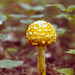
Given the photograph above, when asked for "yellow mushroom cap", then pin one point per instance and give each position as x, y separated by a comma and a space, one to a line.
41, 33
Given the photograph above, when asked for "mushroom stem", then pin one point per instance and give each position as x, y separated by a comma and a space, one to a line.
41, 61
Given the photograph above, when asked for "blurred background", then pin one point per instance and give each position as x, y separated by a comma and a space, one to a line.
17, 15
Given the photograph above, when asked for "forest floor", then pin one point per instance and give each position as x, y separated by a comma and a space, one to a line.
28, 55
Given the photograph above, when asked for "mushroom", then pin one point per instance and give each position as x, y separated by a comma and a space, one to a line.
41, 33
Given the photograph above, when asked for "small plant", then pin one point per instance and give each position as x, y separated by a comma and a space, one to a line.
41, 34
6, 63
71, 51
66, 71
